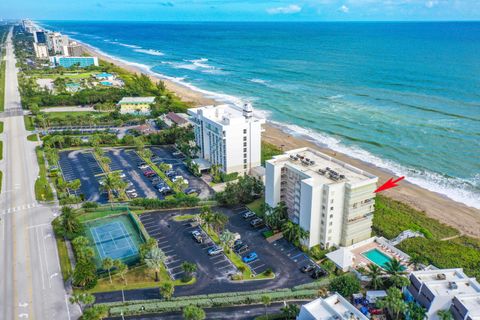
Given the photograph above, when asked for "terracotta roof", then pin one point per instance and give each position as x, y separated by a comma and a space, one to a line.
176, 118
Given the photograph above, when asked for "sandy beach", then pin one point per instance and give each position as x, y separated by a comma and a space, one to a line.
464, 218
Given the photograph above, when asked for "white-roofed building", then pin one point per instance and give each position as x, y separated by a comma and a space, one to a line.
445, 289
333, 307
331, 199
228, 136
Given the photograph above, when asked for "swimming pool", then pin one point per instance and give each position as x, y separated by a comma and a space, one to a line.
378, 257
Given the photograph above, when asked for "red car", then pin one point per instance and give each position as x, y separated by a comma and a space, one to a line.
375, 311
148, 173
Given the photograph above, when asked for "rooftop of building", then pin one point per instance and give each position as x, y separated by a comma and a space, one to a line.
448, 282
137, 100
334, 306
321, 167
472, 304
179, 120
225, 114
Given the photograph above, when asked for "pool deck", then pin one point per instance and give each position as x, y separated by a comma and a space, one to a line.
361, 261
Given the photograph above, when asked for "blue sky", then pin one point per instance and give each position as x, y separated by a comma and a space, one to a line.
243, 10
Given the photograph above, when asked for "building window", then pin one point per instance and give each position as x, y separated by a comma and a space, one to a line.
331, 201
245, 155
244, 166
244, 144
331, 208
244, 131
244, 160
244, 138
330, 223
244, 149
331, 216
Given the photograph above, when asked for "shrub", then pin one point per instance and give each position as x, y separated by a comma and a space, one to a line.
346, 285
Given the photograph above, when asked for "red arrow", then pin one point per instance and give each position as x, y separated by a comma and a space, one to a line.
389, 184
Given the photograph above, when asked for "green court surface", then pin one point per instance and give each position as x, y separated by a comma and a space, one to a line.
117, 237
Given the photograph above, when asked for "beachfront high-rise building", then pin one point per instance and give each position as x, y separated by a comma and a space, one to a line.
333, 307
72, 50
228, 136
56, 41
40, 36
330, 199
41, 50
446, 289
68, 62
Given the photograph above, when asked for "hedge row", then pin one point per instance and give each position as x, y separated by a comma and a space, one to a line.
223, 300
174, 202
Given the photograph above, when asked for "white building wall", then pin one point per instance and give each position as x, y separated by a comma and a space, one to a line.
272, 184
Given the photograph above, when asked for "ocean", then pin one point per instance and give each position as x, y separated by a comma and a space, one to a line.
402, 96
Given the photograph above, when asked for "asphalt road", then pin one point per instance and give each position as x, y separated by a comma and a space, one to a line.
31, 285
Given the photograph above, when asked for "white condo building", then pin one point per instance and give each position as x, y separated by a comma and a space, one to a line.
446, 289
56, 41
228, 136
331, 199
41, 50
333, 307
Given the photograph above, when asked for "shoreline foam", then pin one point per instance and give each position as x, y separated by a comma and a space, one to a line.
414, 192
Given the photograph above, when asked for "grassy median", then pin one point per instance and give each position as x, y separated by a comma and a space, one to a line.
29, 125
65, 263
1, 127
43, 191
33, 137
1, 180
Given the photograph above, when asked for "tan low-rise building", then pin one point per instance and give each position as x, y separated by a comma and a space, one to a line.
136, 105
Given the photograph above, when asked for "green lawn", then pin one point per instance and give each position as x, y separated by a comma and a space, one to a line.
137, 278
1, 150
2, 84
1, 127
29, 125
391, 217
32, 137
100, 213
257, 206
43, 191
184, 217
65, 263
65, 114
73, 76
269, 151
1, 180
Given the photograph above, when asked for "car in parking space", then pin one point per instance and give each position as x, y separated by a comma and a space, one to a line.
248, 215
318, 273
197, 235
192, 191
307, 268
215, 250
142, 165
177, 153
122, 175
252, 256
241, 248
256, 223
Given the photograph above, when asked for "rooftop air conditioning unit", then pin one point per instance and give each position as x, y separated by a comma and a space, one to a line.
452, 285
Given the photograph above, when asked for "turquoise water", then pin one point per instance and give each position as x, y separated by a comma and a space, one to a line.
378, 257
403, 96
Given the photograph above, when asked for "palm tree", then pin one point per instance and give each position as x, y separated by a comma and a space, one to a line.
107, 264
166, 290
122, 269
70, 223
290, 311
112, 182
394, 267
188, 268
393, 302
227, 237
206, 217
415, 311
82, 299
163, 166
155, 260
219, 220
266, 300
288, 230
375, 273
445, 314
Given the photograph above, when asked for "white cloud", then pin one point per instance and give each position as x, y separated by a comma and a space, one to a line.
431, 3
344, 9
293, 8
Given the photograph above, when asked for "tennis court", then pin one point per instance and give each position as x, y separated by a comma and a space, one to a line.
115, 237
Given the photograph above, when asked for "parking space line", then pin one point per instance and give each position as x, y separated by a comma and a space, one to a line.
224, 267
162, 242
262, 265
167, 252
298, 255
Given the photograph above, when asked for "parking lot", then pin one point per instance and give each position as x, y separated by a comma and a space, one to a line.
175, 239
125, 160
83, 165
166, 154
281, 256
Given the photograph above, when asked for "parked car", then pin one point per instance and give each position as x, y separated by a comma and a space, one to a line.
375, 311
130, 190
171, 173
197, 235
307, 268
192, 191
256, 223
122, 175
248, 215
318, 273
177, 153
252, 256
141, 163
215, 250
242, 248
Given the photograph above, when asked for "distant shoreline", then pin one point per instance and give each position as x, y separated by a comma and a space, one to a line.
465, 219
